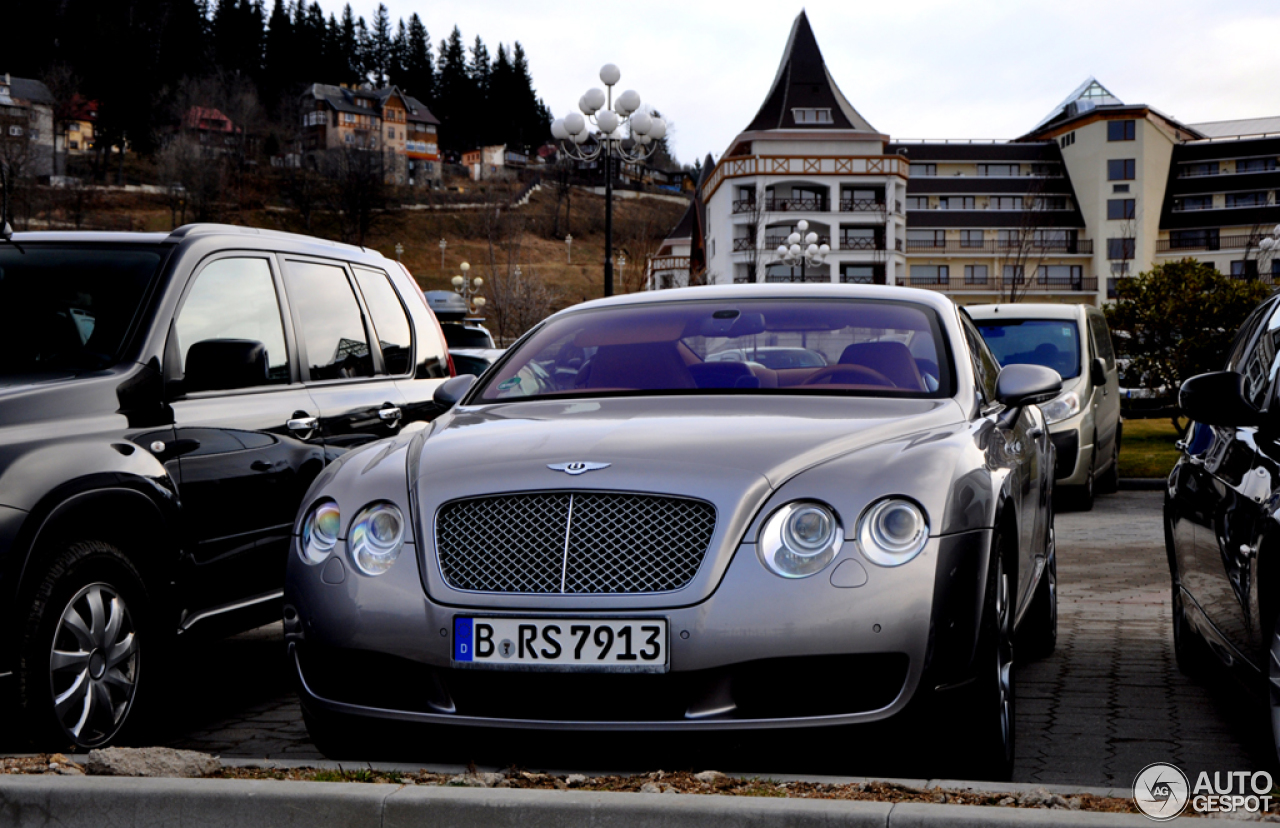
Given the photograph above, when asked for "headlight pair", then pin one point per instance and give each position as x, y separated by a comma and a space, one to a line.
374, 539
803, 537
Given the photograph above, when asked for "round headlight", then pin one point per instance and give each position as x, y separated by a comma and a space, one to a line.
320, 531
893, 531
376, 537
800, 539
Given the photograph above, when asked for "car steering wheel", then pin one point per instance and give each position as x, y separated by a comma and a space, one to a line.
862, 374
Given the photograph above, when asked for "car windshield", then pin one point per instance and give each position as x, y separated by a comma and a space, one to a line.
857, 347
69, 307
1053, 343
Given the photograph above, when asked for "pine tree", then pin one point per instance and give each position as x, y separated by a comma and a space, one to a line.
420, 70
531, 118
279, 61
378, 47
399, 57
501, 99
455, 96
348, 45
364, 52
482, 115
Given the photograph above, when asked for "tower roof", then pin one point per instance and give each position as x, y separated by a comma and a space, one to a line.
1086, 96
803, 83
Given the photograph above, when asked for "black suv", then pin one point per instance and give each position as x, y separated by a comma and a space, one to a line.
165, 403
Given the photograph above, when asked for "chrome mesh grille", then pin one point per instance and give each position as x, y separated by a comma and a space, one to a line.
573, 542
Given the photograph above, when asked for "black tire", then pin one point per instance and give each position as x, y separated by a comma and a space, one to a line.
1109, 483
1081, 497
88, 634
1273, 684
1039, 634
1189, 649
979, 720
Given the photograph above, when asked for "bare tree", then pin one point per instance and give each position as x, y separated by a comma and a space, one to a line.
1023, 254
193, 174
63, 84
17, 162
359, 193
516, 296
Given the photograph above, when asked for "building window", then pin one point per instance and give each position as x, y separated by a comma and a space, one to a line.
1198, 170
923, 169
1119, 188
15, 131
857, 274
1049, 203
1121, 130
955, 203
348, 118
1121, 248
998, 169
1047, 170
1067, 140
811, 116
1247, 199
391, 133
1060, 274
926, 238
75, 127
1112, 293
1204, 202
975, 274
1122, 169
1119, 268
917, 202
1244, 269
1007, 238
971, 238
1253, 165
1015, 274
1006, 202
1056, 239
930, 274
1121, 208
1194, 239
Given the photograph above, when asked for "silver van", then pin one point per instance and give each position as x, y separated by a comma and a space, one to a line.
1084, 420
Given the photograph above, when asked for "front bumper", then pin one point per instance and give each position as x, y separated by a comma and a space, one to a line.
760, 652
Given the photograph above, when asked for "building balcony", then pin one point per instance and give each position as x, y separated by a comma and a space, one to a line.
996, 284
993, 246
1208, 242
861, 205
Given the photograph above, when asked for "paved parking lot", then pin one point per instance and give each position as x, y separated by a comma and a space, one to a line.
1107, 703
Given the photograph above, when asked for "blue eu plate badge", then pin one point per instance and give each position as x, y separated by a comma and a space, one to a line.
462, 650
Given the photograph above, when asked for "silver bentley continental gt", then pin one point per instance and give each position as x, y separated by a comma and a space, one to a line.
615, 530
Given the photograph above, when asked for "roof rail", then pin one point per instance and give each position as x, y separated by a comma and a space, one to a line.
210, 229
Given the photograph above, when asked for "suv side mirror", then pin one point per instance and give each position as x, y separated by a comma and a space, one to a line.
450, 391
1018, 386
1217, 399
225, 364
1098, 371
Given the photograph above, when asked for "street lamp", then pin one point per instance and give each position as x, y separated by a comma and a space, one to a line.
802, 248
399, 250
443, 244
599, 108
568, 249
622, 267
469, 290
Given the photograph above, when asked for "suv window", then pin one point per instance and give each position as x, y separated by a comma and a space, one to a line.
235, 299
330, 323
1101, 339
389, 320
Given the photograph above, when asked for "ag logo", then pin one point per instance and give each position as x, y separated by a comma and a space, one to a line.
1161, 791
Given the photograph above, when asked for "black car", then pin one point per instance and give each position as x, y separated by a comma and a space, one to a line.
165, 402
1221, 511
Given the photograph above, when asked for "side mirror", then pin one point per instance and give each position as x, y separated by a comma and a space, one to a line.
1217, 399
1098, 371
450, 391
1021, 385
224, 365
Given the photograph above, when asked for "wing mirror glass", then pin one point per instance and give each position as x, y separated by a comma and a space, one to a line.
1098, 371
1217, 399
450, 391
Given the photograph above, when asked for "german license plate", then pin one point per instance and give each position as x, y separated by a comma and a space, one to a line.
595, 645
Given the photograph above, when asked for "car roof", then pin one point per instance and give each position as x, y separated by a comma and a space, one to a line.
717, 293
1026, 310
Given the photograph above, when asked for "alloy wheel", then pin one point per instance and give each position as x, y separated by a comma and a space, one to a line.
1004, 656
93, 665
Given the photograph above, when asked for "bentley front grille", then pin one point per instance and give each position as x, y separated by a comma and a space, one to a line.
573, 542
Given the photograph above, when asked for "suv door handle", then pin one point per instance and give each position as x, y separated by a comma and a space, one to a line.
302, 423
389, 413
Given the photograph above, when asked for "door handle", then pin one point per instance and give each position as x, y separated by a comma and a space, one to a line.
261, 465
302, 424
1036, 433
389, 414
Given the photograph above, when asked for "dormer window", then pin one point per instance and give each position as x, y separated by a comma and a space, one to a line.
811, 116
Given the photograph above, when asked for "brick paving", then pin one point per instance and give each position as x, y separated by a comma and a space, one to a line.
1109, 701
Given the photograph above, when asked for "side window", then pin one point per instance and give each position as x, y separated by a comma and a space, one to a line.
235, 299
1101, 339
1244, 338
1259, 362
985, 366
390, 324
330, 324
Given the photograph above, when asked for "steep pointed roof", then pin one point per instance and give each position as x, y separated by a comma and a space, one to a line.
1086, 96
803, 82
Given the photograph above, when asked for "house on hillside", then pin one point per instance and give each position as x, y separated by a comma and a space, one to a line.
76, 126
26, 126
485, 163
385, 120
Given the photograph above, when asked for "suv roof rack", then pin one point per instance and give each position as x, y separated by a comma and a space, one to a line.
189, 230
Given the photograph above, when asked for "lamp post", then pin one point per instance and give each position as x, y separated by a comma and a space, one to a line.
469, 291
568, 249
598, 108
399, 250
622, 267
443, 244
1268, 248
802, 248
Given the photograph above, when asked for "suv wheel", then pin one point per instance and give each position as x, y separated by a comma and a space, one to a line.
1110, 482
81, 655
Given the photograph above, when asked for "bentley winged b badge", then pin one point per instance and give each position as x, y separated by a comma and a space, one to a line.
577, 467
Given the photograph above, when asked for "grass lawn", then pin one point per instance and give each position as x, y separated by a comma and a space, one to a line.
1146, 449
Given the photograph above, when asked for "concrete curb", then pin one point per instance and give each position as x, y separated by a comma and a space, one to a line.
1142, 484
92, 802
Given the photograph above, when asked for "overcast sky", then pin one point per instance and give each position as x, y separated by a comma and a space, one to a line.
913, 68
